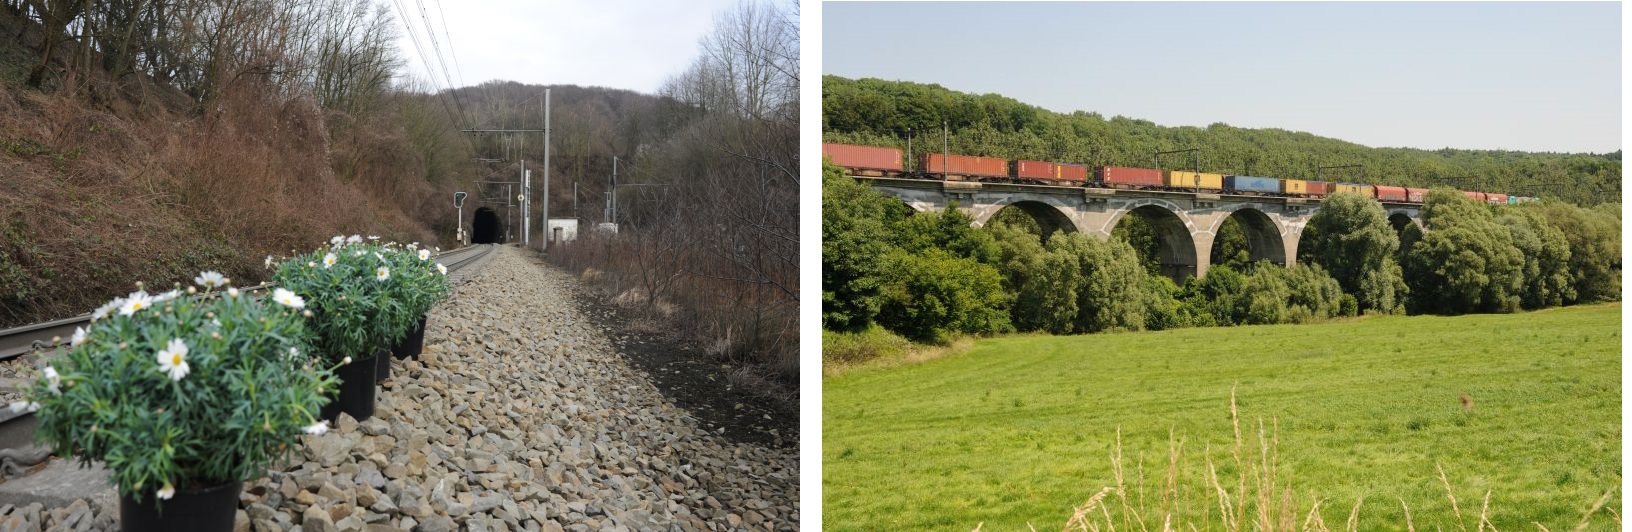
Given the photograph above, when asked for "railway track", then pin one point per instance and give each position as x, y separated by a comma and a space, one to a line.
42, 339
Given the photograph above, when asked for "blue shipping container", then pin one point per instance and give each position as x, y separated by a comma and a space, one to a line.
1243, 183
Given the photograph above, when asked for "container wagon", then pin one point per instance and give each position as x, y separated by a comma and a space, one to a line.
1075, 174
1295, 187
1352, 188
1124, 177
1476, 196
1039, 170
1257, 185
1186, 180
1319, 188
1416, 195
963, 166
865, 160
1496, 199
1388, 193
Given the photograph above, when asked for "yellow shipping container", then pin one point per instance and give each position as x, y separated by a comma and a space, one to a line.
1294, 186
1364, 190
1185, 179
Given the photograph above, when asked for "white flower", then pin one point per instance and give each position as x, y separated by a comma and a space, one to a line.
337, 240
310, 264
268, 261
377, 255
173, 359
424, 254
317, 429
166, 296
372, 237
232, 292
357, 253
210, 279
79, 337
328, 260
53, 381
382, 273
137, 301
167, 491
294, 353
413, 246
22, 406
441, 268
354, 239
105, 309
288, 299
216, 323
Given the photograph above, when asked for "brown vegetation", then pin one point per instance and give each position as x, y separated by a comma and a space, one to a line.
123, 169
708, 221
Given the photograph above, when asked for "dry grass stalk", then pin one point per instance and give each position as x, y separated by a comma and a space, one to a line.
1455, 510
1079, 516
1484, 514
1585, 518
1354, 515
1408, 524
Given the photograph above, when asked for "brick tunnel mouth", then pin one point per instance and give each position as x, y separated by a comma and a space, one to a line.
484, 227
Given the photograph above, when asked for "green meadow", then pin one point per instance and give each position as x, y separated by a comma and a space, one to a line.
1020, 431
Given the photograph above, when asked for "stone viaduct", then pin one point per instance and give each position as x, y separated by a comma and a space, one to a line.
1185, 222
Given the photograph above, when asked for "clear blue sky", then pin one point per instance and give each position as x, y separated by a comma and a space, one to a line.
1525, 76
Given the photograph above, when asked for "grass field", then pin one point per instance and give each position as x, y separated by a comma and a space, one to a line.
1021, 430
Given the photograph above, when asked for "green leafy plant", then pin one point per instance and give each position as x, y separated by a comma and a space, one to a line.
349, 287
417, 279
183, 390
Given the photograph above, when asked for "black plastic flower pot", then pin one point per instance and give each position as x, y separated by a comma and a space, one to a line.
412, 343
356, 395
382, 367
206, 509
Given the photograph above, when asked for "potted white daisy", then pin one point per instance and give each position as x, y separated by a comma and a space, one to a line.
347, 285
182, 396
419, 282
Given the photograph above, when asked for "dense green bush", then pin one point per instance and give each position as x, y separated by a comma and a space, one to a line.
1594, 237
1546, 270
1043, 281
929, 296
1465, 262
854, 236
1351, 237
1111, 294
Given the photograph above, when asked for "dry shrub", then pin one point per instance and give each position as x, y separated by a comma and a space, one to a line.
97, 195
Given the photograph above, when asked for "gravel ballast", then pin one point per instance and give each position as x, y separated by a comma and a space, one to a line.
519, 415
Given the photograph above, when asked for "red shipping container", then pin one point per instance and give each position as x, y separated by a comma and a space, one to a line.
1319, 188
964, 165
1032, 169
1122, 175
1416, 195
1496, 199
1480, 196
863, 157
1074, 173
1388, 193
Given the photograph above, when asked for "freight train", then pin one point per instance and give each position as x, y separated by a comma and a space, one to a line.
887, 162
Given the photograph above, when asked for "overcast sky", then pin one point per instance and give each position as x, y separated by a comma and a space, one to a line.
1527, 76
624, 44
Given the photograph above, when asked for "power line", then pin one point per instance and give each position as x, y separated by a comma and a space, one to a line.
430, 32
414, 38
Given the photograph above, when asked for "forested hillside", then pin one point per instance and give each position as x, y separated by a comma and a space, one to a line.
878, 112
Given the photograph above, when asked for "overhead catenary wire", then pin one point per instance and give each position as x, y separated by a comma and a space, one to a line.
419, 50
430, 33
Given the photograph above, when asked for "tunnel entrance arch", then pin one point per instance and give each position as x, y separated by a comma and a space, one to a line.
1260, 234
484, 227
1159, 235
